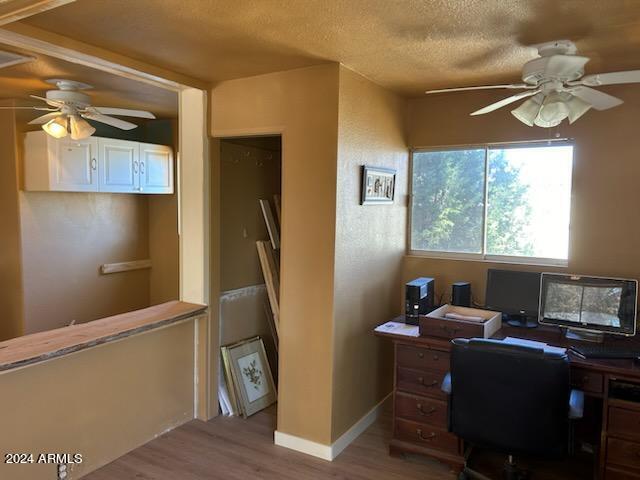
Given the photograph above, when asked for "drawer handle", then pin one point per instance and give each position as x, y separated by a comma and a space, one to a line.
448, 329
422, 437
431, 411
420, 355
421, 382
436, 358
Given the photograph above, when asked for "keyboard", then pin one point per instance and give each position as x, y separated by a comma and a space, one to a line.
597, 350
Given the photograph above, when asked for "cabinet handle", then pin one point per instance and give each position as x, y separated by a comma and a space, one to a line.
94, 164
135, 166
432, 384
142, 168
431, 411
447, 329
422, 437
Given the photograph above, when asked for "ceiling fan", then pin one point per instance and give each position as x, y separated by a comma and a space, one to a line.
556, 87
69, 109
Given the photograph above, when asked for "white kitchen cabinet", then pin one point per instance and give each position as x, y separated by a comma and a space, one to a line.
156, 168
60, 165
118, 165
96, 165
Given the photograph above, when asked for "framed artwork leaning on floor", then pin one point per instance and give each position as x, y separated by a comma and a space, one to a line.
252, 376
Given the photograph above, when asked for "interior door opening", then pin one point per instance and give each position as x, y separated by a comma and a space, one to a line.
250, 214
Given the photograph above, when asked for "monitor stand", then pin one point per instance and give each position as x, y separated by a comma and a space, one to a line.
521, 321
584, 336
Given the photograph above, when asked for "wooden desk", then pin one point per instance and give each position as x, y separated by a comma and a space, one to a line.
420, 407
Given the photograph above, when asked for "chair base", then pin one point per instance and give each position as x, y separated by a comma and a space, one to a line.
510, 471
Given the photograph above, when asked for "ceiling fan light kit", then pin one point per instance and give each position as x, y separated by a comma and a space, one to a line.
57, 127
558, 88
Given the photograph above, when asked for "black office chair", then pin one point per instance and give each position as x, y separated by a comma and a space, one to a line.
510, 398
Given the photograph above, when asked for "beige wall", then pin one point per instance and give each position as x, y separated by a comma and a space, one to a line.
242, 315
605, 232
65, 239
303, 105
101, 402
163, 223
341, 262
370, 246
248, 174
10, 268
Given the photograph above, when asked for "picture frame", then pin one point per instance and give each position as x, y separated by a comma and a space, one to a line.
378, 185
252, 376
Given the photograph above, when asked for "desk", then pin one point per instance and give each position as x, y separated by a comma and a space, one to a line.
420, 408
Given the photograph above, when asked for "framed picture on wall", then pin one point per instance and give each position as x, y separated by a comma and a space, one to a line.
378, 185
252, 375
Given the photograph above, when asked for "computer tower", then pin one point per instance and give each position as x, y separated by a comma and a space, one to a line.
419, 298
461, 294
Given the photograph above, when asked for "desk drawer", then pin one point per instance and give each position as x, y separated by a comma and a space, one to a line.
623, 452
421, 409
612, 473
426, 435
426, 382
422, 358
624, 422
433, 327
587, 381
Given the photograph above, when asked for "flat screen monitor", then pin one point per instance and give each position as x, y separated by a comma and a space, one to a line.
593, 304
512, 292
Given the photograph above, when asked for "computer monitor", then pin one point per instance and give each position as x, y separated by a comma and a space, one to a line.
589, 304
516, 294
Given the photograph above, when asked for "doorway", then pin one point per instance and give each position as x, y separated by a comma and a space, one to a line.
250, 179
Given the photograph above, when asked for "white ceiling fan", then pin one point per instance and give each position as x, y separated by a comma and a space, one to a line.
69, 109
556, 87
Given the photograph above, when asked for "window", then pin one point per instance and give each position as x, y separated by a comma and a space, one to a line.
498, 202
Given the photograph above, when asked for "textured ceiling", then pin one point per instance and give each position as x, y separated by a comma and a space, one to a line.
19, 81
405, 45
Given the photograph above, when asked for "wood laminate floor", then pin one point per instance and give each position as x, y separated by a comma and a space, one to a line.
239, 449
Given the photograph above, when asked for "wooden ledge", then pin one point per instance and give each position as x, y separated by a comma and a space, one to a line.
41, 346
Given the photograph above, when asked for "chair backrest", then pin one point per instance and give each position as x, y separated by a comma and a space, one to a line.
510, 398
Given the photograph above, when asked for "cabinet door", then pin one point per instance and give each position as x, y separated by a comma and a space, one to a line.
74, 165
156, 168
118, 162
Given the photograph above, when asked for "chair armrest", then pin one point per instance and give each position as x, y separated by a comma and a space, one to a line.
576, 404
446, 384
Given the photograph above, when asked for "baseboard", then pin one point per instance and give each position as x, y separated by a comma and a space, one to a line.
330, 452
302, 445
357, 428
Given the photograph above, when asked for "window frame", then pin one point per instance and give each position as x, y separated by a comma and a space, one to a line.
484, 257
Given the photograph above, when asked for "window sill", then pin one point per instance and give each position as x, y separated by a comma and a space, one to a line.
473, 257
39, 347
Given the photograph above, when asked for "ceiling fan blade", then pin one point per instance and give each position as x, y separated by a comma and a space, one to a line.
483, 87
504, 102
125, 112
563, 66
114, 122
613, 78
48, 100
44, 118
17, 108
599, 100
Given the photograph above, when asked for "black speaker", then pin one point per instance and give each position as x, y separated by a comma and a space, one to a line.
461, 294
